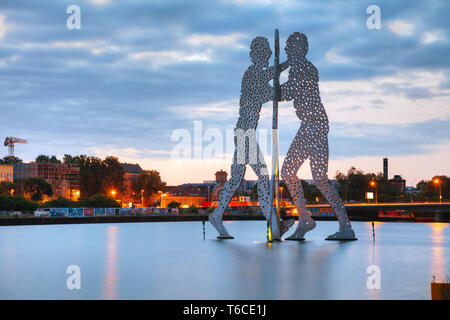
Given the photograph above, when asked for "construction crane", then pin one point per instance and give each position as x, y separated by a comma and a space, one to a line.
9, 141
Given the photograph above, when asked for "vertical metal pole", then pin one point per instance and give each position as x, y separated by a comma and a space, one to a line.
275, 182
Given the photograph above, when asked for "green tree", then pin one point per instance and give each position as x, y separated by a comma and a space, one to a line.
96, 175
16, 203
68, 159
112, 178
92, 172
7, 187
61, 202
429, 189
254, 193
150, 182
35, 188
192, 210
45, 158
10, 160
173, 204
98, 201
355, 184
311, 193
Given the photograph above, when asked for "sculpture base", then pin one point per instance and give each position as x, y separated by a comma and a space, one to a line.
294, 239
225, 237
348, 235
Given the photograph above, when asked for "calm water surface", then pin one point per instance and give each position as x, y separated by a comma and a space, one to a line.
172, 261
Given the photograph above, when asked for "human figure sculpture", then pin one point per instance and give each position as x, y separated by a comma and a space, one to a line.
310, 142
255, 91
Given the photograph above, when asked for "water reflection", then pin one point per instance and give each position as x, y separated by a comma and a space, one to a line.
111, 269
438, 266
181, 265
8, 255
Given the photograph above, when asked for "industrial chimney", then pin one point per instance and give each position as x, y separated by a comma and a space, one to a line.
385, 168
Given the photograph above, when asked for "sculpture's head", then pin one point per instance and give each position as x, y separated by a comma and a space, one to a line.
296, 45
260, 52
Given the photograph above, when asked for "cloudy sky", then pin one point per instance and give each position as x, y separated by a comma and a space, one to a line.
137, 71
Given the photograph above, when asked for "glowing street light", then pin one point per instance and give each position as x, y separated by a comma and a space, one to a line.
281, 196
438, 182
113, 192
374, 184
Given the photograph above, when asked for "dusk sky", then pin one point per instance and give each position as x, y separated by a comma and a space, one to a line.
138, 70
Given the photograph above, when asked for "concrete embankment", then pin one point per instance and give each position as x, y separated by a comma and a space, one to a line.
11, 221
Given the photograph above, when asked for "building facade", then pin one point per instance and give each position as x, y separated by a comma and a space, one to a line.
131, 172
186, 195
6, 172
399, 183
64, 178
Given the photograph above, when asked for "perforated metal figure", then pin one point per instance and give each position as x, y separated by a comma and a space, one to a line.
311, 140
255, 91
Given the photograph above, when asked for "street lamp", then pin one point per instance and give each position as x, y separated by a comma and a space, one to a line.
438, 182
142, 198
281, 196
113, 192
374, 184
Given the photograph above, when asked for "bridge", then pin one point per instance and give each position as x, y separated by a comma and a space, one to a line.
415, 211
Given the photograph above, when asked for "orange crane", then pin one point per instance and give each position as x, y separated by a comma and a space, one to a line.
10, 141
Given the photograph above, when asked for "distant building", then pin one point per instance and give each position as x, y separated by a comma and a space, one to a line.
206, 193
25, 170
221, 176
6, 172
64, 178
187, 195
399, 183
132, 171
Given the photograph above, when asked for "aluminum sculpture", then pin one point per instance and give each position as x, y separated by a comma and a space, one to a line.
310, 142
275, 212
255, 91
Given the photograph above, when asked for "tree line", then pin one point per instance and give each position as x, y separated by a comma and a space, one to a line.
98, 177
353, 185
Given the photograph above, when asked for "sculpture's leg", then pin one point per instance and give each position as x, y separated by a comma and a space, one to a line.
262, 173
319, 168
292, 163
227, 192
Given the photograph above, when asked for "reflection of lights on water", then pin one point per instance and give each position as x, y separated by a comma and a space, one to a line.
437, 259
110, 285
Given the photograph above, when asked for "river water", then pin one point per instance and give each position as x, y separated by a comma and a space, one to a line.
171, 260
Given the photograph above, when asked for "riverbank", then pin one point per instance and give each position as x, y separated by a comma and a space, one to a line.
24, 220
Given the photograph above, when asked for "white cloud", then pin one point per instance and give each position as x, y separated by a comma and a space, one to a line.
216, 40
5, 61
2, 26
69, 44
432, 36
161, 58
227, 109
401, 27
397, 107
334, 57
100, 2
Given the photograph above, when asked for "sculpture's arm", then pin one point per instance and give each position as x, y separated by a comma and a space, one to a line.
283, 66
269, 73
286, 91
